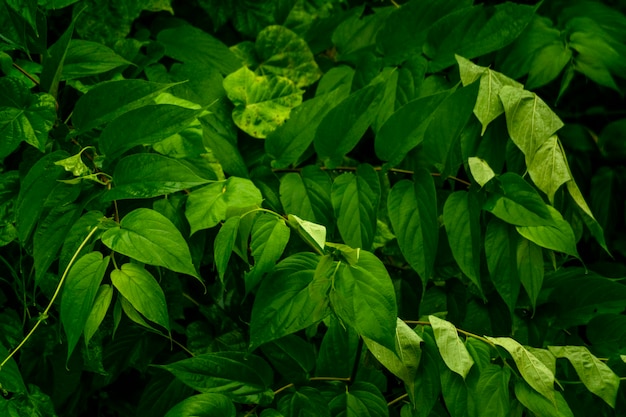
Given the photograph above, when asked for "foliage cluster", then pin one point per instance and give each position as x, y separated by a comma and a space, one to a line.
312, 208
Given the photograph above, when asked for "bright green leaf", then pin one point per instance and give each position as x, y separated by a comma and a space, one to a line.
451, 347
481, 171
224, 243
203, 405
98, 310
269, 238
548, 168
557, 236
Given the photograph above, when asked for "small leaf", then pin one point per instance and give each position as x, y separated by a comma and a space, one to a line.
262, 103
75, 164
149, 237
224, 243
140, 288
557, 236
79, 293
595, 374
589, 219
530, 268
203, 405
312, 233
268, 240
534, 372
481, 171
98, 311
240, 376
451, 347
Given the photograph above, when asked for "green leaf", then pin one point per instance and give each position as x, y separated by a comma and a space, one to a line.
534, 372
361, 399
289, 299
54, 62
589, 219
451, 347
269, 238
405, 129
308, 195
492, 392
404, 361
98, 310
284, 53
529, 120
86, 58
455, 393
312, 233
242, 377
149, 237
368, 291
140, 288
24, 116
516, 202
412, 210
475, 31
109, 100
305, 401
355, 200
501, 251
209, 205
292, 356
548, 168
481, 171
291, 139
461, 217
262, 103
595, 374
488, 105
530, 268
338, 349
145, 125
345, 124
79, 293
145, 175
224, 243
539, 405
203, 405
557, 236
10, 377
547, 64
186, 43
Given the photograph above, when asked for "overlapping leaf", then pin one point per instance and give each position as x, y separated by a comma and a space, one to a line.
451, 347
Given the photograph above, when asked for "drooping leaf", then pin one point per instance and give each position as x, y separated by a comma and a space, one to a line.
548, 168
534, 372
262, 103
54, 62
209, 205
98, 310
539, 405
305, 401
240, 376
557, 236
268, 240
203, 405
289, 299
595, 374
501, 251
149, 237
589, 219
451, 347
224, 243
413, 213
140, 288
355, 200
480, 169
79, 293
24, 116
109, 100
461, 219
145, 175
530, 268
455, 393
338, 348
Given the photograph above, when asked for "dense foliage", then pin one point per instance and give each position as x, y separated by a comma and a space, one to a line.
312, 208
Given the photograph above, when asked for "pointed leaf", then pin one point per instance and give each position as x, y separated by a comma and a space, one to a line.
481, 171
451, 347
501, 253
98, 311
595, 374
145, 175
557, 236
589, 219
492, 392
203, 405
240, 376
79, 293
224, 243
149, 237
86, 58
361, 399
140, 288
461, 219
305, 401
289, 299
539, 405
269, 238
355, 200
530, 268
262, 103
549, 169
312, 233
534, 372
292, 356
54, 62
308, 195
209, 205
338, 349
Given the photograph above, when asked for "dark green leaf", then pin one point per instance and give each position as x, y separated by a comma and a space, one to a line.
492, 392
305, 402
85, 58
10, 377
557, 236
54, 62
530, 268
224, 243
539, 405
203, 405
501, 249
292, 356
269, 238
361, 399
307, 195
98, 311
338, 349
149, 237
240, 376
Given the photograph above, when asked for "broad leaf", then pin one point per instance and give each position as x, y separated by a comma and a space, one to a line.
492, 392
338, 349
289, 299
557, 236
209, 205
292, 356
203, 405
269, 238
534, 372
481, 171
355, 200
140, 288
79, 293
149, 237
262, 103
451, 347
308, 195
240, 376
361, 399
548, 168
539, 405
312, 233
501, 251
305, 401
86, 58
145, 175
24, 116
461, 219
413, 213
595, 374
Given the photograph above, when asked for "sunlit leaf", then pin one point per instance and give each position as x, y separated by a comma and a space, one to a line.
269, 238
451, 347
557, 236
548, 168
203, 405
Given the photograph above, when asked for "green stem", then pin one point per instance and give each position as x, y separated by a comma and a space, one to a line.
44, 315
